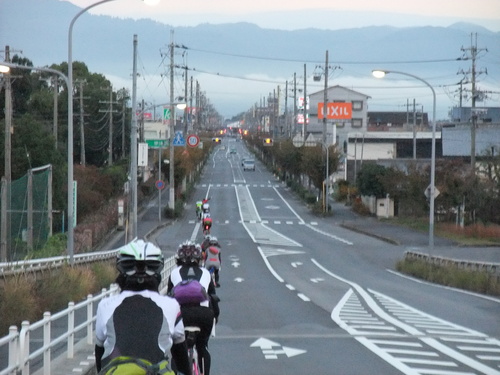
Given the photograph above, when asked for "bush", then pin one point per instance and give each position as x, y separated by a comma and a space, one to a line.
19, 302
70, 284
479, 282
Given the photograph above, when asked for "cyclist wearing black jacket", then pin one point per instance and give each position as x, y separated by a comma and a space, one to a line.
203, 314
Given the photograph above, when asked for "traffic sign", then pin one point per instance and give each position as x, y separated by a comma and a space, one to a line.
157, 143
159, 184
193, 140
166, 113
179, 139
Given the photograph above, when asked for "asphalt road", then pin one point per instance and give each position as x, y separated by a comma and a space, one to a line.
307, 295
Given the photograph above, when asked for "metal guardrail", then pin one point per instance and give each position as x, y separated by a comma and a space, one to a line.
20, 349
32, 265
467, 265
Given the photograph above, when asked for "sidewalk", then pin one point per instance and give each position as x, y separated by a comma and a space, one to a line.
412, 240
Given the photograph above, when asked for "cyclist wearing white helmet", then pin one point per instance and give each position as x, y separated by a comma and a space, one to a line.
139, 322
200, 314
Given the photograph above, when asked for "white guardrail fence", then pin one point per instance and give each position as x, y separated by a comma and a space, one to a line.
37, 343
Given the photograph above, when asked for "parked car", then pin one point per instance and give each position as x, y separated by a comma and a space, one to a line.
249, 165
232, 151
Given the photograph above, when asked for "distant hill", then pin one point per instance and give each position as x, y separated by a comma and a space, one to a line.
39, 28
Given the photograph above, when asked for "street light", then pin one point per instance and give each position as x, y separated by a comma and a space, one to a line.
70, 244
5, 68
432, 189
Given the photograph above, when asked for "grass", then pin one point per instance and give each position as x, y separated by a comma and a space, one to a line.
474, 281
471, 235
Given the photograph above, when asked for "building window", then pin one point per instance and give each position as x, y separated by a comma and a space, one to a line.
357, 105
357, 122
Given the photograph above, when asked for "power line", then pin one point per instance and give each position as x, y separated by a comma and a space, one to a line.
319, 62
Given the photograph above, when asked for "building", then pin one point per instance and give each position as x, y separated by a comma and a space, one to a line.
339, 133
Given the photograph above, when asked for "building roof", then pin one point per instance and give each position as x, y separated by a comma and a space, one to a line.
340, 88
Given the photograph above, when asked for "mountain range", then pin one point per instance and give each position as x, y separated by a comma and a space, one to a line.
238, 64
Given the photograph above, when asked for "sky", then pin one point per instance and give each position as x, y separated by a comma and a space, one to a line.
299, 14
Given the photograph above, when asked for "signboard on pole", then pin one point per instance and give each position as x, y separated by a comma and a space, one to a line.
142, 155
335, 111
157, 143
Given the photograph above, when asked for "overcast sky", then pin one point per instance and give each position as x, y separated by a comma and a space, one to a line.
299, 14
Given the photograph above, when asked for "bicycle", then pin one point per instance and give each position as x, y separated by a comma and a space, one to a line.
212, 275
206, 229
191, 334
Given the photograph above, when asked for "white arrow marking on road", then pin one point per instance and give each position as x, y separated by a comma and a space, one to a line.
235, 264
296, 264
317, 280
239, 279
264, 343
269, 353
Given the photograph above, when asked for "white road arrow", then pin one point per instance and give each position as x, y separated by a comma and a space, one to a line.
290, 352
269, 353
264, 343
235, 264
317, 280
296, 264
239, 280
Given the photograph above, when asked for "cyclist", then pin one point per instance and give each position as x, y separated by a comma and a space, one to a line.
207, 223
139, 322
201, 315
212, 257
199, 209
205, 206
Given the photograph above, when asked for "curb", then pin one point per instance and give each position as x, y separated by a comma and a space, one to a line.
383, 238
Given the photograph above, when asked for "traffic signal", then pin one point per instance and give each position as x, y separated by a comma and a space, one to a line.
268, 141
216, 140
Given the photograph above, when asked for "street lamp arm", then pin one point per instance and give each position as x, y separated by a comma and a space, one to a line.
380, 73
48, 70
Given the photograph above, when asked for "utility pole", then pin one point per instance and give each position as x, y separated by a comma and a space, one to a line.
185, 99
191, 106
473, 56
294, 103
305, 104
325, 100
7, 179
171, 200
110, 130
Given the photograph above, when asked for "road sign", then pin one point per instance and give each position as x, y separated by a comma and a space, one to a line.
157, 143
159, 184
427, 192
179, 139
166, 113
193, 140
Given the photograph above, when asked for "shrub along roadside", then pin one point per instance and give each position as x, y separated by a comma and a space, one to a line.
24, 297
474, 281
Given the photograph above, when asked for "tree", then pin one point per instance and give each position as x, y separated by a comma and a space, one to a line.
369, 180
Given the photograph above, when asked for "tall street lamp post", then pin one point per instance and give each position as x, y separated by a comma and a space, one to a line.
70, 244
5, 67
432, 189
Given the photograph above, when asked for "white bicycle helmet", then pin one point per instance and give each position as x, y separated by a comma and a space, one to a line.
139, 257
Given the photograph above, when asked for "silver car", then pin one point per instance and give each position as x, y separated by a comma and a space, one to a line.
249, 165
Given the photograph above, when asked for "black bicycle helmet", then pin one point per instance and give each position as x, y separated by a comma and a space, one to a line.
189, 252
